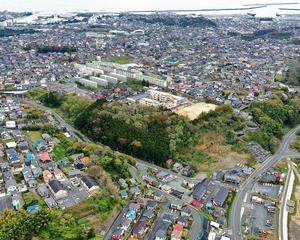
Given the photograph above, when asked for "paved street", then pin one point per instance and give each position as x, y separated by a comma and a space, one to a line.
282, 152
283, 214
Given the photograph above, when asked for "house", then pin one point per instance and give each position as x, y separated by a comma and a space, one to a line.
11, 186
12, 155
131, 214
16, 201
123, 194
166, 188
162, 175
148, 213
161, 234
29, 156
134, 206
22, 187
176, 204
177, 232
170, 163
17, 168
187, 170
151, 205
58, 174
221, 196
78, 164
133, 181
74, 173
44, 157
84, 160
157, 196
117, 234
135, 191
23, 147
200, 189
36, 171
140, 227
40, 145
47, 138
51, 203
232, 177
185, 211
57, 189
89, 183
177, 167
126, 223
47, 176
177, 193
11, 145
168, 217
28, 176
43, 190
10, 124
183, 220
122, 183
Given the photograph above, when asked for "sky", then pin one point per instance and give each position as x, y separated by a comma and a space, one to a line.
123, 5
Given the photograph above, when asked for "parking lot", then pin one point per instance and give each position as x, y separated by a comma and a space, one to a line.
258, 218
5, 202
268, 190
76, 195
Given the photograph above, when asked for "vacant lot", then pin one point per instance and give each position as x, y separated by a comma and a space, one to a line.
34, 135
213, 153
194, 110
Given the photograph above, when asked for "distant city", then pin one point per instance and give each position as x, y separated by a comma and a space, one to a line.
150, 124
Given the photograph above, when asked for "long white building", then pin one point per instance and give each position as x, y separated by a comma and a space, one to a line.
88, 83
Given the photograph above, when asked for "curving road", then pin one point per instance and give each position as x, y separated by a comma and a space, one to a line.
282, 152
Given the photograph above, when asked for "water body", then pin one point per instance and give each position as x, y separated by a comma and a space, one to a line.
134, 5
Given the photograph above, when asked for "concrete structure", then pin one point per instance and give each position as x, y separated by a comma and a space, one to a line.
110, 79
100, 81
88, 83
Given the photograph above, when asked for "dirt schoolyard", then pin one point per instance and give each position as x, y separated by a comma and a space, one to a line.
194, 110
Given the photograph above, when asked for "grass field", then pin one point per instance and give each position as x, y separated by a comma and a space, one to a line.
59, 152
213, 153
193, 111
34, 135
123, 59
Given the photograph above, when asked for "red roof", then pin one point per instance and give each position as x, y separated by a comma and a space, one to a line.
196, 203
178, 228
44, 156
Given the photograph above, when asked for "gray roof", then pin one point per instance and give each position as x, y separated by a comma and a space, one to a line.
50, 202
56, 185
200, 189
10, 183
43, 190
221, 196
89, 181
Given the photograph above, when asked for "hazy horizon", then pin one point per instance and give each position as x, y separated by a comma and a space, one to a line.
121, 5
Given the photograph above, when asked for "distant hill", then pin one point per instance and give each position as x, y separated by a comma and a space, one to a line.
180, 21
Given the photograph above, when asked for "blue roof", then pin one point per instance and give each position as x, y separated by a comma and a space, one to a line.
29, 155
32, 208
12, 155
208, 205
131, 214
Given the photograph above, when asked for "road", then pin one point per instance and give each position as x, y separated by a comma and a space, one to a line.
283, 214
155, 167
71, 130
282, 152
